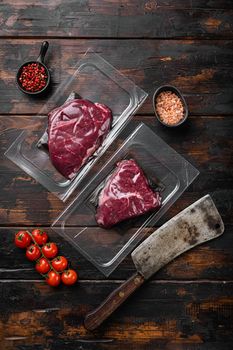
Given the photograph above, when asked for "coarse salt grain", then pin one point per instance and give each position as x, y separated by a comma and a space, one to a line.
169, 108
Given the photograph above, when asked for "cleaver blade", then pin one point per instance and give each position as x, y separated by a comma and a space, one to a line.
198, 223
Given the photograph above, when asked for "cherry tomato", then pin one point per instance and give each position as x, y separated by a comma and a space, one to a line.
53, 279
40, 236
42, 266
69, 277
50, 250
60, 263
33, 252
22, 239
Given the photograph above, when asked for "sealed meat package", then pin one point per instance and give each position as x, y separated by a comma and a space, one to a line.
60, 155
75, 132
126, 194
126, 197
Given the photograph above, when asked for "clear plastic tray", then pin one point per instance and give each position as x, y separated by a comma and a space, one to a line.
96, 80
164, 168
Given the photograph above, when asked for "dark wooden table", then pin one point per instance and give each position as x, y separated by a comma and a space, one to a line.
189, 304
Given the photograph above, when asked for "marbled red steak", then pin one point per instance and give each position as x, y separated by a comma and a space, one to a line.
125, 195
75, 132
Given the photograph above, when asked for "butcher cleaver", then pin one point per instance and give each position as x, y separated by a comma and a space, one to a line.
198, 223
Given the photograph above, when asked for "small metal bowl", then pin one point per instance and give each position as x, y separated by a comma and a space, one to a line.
178, 93
40, 60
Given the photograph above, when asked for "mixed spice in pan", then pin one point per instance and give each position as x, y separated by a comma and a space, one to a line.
33, 77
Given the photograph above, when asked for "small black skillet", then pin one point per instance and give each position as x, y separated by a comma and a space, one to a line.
40, 60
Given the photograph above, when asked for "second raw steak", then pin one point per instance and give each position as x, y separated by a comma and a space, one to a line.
126, 194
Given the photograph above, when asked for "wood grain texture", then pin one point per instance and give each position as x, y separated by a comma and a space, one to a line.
205, 141
158, 316
201, 69
210, 261
188, 305
117, 19
113, 301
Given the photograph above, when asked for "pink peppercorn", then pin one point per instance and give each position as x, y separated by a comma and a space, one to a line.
33, 77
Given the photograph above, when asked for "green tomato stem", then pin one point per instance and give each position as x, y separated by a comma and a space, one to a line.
51, 266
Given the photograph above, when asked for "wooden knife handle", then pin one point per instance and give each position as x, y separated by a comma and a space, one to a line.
112, 302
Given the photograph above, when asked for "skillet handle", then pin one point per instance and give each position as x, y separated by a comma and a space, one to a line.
43, 50
112, 302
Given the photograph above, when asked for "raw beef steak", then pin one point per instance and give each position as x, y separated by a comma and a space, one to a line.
126, 194
75, 132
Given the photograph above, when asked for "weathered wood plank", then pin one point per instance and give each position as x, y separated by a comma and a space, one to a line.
167, 313
201, 69
206, 142
118, 19
211, 261
159, 316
